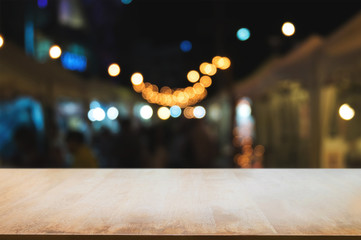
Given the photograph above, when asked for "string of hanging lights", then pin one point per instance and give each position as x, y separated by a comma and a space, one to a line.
182, 97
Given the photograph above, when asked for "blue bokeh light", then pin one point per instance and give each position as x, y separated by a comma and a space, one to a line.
42, 3
243, 34
175, 111
73, 61
126, 1
186, 46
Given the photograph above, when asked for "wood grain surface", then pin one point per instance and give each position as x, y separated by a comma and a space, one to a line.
113, 203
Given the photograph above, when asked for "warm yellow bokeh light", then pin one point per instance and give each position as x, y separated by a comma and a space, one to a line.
188, 112
202, 67
217, 61
225, 63
193, 76
221, 62
55, 52
166, 90
139, 88
346, 112
1, 41
137, 79
208, 68
288, 29
198, 88
163, 113
114, 70
206, 81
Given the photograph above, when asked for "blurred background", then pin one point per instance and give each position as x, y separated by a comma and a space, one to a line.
180, 84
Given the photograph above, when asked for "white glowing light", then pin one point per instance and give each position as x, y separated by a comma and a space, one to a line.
1, 41
113, 70
199, 112
346, 112
136, 78
244, 110
112, 113
146, 112
288, 29
91, 115
55, 52
98, 114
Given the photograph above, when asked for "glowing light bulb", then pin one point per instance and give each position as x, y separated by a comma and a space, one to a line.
175, 111
288, 29
112, 113
113, 70
243, 34
98, 114
136, 78
193, 76
244, 110
91, 115
199, 112
206, 81
55, 52
1, 41
163, 113
146, 112
346, 112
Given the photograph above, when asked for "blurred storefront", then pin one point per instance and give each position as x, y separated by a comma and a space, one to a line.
50, 99
297, 99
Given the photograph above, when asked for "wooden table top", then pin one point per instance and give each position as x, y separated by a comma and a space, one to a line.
180, 202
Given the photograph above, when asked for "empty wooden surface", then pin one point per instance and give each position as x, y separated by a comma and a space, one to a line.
180, 202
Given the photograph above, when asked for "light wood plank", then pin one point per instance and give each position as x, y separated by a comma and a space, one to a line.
180, 202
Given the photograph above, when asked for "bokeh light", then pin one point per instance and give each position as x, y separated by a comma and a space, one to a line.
136, 78
1, 41
146, 112
208, 68
112, 113
346, 112
91, 115
55, 52
193, 76
163, 113
244, 109
188, 112
98, 114
94, 104
175, 111
126, 1
113, 70
221, 62
199, 112
243, 34
288, 29
42, 3
186, 46
206, 81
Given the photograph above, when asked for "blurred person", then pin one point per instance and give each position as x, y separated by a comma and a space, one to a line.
56, 147
158, 148
203, 144
28, 152
103, 144
82, 156
127, 145
180, 150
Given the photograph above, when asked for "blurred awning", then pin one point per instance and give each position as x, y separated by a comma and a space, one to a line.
313, 60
